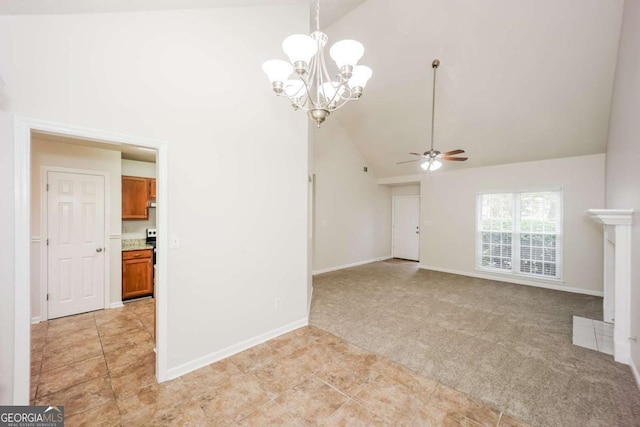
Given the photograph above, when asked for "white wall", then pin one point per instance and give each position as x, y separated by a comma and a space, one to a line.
47, 153
353, 212
136, 229
311, 201
623, 151
448, 209
237, 156
7, 256
406, 190
136, 168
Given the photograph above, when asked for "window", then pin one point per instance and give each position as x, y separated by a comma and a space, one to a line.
520, 232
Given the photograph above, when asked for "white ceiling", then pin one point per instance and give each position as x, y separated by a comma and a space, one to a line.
519, 80
330, 10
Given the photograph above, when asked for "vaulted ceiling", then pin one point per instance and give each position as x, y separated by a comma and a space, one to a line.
519, 81
331, 10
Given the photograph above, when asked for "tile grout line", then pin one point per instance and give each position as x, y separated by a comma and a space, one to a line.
110, 372
311, 374
113, 391
349, 399
330, 385
72, 385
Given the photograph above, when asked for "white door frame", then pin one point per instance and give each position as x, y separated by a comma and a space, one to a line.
22, 128
393, 223
44, 224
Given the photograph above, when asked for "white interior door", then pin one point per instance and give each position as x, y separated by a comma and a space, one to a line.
406, 227
76, 230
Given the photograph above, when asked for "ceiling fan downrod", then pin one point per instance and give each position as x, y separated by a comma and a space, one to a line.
431, 159
435, 64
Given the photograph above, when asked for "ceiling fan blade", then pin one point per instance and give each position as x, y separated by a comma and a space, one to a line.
417, 154
408, 161
453, 152
457, 159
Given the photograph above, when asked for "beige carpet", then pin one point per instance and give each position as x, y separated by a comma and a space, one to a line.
507, 345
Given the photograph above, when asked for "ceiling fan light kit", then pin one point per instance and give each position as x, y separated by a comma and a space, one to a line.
431, 165
305, 80
432, 159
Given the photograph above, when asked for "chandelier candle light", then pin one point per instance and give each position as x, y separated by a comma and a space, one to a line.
307, 82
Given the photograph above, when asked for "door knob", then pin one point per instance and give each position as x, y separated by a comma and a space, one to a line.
99, 250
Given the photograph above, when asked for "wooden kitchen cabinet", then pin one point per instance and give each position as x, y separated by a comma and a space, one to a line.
137, 273
152, 188
135, 197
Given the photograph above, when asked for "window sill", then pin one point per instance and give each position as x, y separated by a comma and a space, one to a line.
527, 277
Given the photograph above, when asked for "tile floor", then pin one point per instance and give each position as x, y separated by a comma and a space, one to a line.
100, 366
594, 334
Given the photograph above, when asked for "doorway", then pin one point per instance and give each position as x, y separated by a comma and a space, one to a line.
406, 227
23, 129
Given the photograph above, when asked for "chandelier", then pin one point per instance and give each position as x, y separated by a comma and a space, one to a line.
306, 81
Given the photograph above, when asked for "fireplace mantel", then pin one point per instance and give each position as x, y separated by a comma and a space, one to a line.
617, 275
612, 216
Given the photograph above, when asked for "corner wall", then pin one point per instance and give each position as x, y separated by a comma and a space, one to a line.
623, 153
353, 212
237, 158
448, 210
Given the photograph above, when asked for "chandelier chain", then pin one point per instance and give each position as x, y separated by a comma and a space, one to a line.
317, 15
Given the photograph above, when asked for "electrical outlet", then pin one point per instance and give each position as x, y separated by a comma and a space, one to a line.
278, 303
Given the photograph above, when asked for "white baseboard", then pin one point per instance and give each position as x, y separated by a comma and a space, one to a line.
310, 299
36, 319
621, 351
116, 304
515, 280
353, 264
203, 361
634, 369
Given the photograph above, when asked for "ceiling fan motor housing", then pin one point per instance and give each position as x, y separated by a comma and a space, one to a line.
431, 158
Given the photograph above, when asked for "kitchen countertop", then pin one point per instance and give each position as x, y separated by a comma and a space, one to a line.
135, 245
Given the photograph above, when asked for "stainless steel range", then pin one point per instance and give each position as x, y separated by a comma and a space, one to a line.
151, 240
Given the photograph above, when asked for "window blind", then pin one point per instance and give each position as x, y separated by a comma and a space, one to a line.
520, 232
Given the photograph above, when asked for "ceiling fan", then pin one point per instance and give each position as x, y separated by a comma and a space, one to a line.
431, 160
